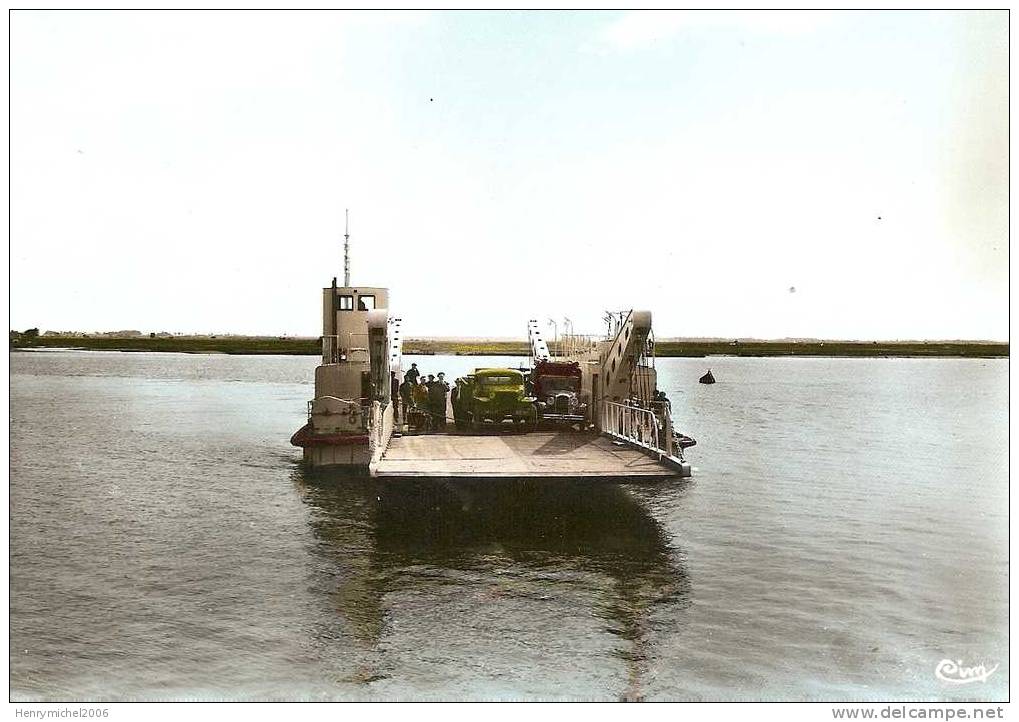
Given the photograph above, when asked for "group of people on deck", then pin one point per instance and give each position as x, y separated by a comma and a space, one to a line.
426, 394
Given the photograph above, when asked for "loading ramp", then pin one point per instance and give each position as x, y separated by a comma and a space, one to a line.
540, 455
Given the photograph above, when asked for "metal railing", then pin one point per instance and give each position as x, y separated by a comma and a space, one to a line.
365, 408
615, 320
634, 424
573, 344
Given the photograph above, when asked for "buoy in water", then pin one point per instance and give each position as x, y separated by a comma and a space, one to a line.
707, 378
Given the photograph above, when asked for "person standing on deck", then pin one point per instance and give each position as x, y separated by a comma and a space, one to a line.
420, 393
437, 399
429, 382
412, 374
429, 406
419, 399
454, 394
407, 394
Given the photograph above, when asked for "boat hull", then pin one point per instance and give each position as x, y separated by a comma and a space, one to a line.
355, 453
355, 459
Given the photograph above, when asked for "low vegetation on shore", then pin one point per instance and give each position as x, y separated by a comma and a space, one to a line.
287, 345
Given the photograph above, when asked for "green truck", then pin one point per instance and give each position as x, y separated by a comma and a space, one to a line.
493, 397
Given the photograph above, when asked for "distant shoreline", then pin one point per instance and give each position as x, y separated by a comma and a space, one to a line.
257, 345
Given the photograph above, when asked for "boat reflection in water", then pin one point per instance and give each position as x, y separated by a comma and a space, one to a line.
481, 589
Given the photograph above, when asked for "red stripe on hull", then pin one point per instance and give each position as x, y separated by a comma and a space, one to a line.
305, 437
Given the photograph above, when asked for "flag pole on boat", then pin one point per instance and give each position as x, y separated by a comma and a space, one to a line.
346, 249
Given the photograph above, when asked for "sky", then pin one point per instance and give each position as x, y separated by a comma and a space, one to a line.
740, 174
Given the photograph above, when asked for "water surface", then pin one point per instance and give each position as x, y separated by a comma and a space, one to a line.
845, 530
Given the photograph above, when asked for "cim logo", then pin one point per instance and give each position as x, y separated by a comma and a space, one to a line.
955, 673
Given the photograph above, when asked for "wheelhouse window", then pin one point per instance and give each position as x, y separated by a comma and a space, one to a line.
366, 303
346, 303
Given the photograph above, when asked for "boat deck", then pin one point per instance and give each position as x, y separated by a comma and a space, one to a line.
543, 455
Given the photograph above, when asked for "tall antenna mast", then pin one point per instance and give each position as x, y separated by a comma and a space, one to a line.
346, 249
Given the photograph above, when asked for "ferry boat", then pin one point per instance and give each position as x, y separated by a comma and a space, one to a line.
618, 424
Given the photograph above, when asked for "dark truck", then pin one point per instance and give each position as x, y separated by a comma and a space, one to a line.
556, 385
493, 396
